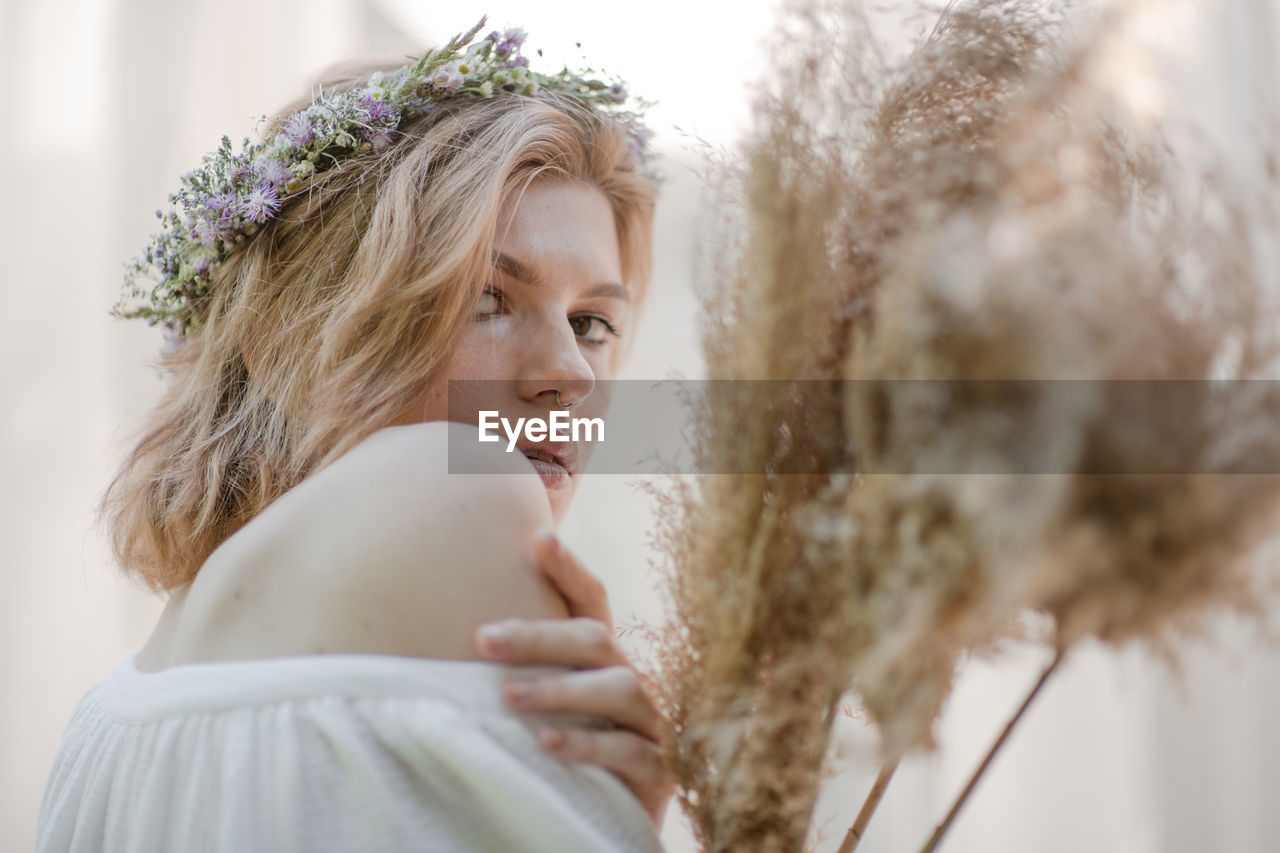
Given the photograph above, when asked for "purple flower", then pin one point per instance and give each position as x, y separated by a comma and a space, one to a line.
207, 232
379, 111
261, 204
618, 92
639, 142
272, 171
518, 62
222, 203
299, 129
514, 37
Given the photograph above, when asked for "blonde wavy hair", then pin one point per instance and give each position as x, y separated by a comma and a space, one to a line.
346, 307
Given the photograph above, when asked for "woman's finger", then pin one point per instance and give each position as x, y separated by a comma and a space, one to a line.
582, 643
616, 693
632, 758
582, 590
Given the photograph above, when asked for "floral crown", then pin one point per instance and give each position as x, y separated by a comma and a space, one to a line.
232, 195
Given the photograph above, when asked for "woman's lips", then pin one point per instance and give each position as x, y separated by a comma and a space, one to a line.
553, 476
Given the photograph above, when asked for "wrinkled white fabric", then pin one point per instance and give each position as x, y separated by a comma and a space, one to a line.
338, 752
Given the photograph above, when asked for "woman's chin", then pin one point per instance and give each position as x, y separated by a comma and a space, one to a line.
561, 496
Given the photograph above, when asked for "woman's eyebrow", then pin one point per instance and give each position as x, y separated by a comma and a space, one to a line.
517, 270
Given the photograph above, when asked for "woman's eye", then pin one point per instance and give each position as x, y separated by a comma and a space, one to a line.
591, 328
582, 324
490, 301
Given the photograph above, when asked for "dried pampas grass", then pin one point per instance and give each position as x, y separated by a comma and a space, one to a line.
983, 269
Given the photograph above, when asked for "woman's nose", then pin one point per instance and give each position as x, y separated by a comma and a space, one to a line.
554, 362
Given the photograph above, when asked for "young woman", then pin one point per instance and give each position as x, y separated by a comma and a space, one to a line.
361, 650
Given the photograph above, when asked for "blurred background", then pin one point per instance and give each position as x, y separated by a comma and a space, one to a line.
109, 101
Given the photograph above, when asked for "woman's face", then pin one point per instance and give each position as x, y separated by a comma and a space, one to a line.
548, 323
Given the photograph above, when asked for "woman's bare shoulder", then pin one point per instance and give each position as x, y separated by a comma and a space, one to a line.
386, 551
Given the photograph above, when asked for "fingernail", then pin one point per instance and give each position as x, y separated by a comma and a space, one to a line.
517, 694
545, 534
495, 638
551, 738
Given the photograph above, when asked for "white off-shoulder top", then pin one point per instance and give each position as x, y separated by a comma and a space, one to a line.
328, 752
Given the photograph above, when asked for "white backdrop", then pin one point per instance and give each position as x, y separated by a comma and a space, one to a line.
108, 101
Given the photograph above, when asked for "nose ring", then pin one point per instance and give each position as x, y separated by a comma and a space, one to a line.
562, 404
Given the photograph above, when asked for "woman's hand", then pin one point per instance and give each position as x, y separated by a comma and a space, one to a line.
607, 685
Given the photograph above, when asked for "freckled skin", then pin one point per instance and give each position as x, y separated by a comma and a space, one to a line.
563, 232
